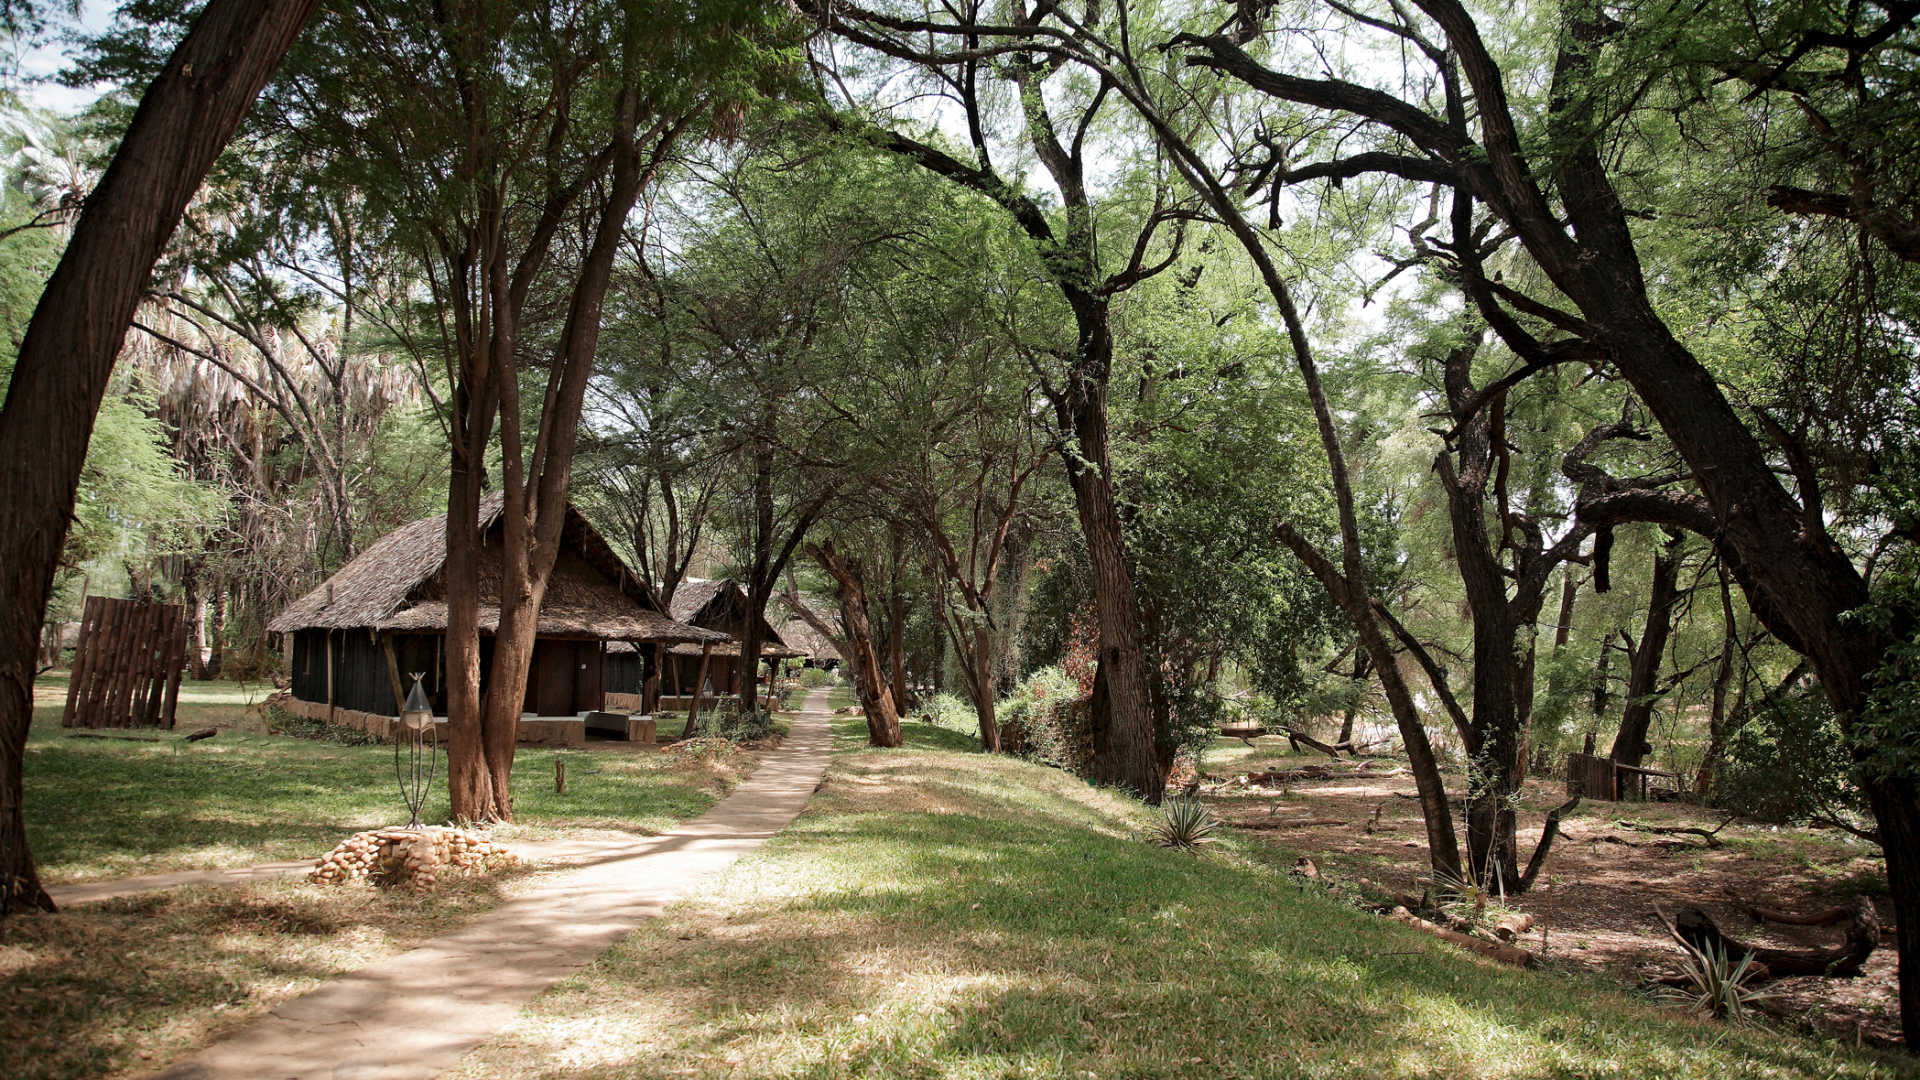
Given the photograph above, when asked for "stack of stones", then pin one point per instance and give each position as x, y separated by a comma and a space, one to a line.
410, 858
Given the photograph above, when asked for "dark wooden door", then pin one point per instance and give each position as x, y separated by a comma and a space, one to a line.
589, 676
550, 682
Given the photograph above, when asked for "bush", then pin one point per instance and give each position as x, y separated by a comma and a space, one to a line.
282, 722
1044, 721
728, 721
950, 711
792, 692
814, 678
1788, 764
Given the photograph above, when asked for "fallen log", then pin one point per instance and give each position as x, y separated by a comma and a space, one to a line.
1711, 837
1512, 926
1833, 916
1392, 897
203, 733
1506, 954
1844, 961
1272, 823
1296, 740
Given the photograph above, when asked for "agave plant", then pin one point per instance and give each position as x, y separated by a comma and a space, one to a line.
1184, 823
1715, 984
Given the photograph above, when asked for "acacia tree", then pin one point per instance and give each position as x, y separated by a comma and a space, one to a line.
1558, 198
184, 120
506, 150
1056, 108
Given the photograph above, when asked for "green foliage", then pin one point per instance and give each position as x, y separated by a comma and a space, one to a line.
1886, 734
1789, 763
1041, 721
950, 711
814, 678
1716, 986
727, 720
136, 503
1184, 823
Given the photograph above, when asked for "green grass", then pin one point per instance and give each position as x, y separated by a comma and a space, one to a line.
937, 913
106, 808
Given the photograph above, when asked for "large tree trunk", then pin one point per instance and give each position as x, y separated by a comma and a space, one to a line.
870, 677
196, 608
1630, 745
66, 357
469, 783
1124, 738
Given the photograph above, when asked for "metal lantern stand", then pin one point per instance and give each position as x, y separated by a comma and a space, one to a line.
414, 770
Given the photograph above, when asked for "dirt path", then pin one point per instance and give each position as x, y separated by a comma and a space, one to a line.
414, 1015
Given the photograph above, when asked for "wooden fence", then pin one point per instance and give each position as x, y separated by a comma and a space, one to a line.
127, 666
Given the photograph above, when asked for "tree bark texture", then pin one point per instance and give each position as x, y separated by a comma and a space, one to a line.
1630, 746
870, 676
66, 357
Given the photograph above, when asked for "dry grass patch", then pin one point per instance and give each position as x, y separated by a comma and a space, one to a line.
127, 985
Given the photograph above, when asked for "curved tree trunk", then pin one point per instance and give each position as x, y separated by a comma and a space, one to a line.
66, 356
870, 676
1630, 746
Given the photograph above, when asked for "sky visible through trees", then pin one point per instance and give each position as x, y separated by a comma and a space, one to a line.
1492, 386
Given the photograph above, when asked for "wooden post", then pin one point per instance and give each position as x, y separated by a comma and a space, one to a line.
693, 713
650, 688
393, 674
82, 657
559, 777
176, 669
329, 640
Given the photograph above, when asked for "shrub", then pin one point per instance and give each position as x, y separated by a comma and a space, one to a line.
950, 711
728, 721
282, 722
1184, 823
1789, 763
814, 678
1715, 985
1045, 722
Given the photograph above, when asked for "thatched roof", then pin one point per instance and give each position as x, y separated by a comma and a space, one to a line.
771, 650
399, 584
720, 604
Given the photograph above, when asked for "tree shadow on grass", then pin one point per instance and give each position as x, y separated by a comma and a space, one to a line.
968, 941
133, 982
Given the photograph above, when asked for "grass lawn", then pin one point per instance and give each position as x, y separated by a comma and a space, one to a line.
126, 985
939, 913
107, 808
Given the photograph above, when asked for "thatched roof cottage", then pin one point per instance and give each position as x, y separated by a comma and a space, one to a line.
354, 640
718, 605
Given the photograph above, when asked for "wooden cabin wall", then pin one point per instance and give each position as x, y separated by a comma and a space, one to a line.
626, 672
566, 677
361, 680
308, 665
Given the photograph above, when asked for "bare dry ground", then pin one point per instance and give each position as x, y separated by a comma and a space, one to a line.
1595, 907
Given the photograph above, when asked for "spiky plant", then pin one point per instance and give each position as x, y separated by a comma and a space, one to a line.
1184, 823
1714, 983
